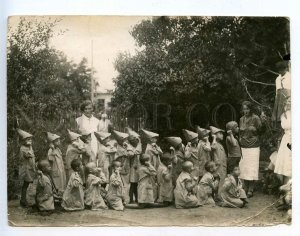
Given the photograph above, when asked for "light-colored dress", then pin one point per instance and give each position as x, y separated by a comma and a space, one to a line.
92, 193
115, 194
220, 158
283, 164
73, 152
178, 158
154, 152
184, 198
58, 169
192, 154
135, 163
250, 145
207, 188
104, 158
44, 193
89, 124
73, 197
204, 154
231, 192
27, 171
165, 185
145, 184
123, 156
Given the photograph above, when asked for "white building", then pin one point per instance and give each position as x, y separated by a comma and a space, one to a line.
102, 100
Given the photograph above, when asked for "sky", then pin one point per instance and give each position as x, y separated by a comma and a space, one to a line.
109, 34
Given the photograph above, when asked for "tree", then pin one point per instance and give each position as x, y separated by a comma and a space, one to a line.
44, 88
188, 60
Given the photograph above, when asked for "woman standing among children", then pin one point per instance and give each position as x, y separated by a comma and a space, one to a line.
56, 161
88, 122
283, 164
250, 127
27, 171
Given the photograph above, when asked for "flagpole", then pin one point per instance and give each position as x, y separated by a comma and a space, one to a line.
92, 75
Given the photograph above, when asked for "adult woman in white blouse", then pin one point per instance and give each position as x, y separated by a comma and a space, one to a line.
88, 122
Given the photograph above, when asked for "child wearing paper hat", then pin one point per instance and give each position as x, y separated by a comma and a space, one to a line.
27, 171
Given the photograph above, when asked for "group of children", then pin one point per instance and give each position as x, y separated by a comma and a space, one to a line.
120, 174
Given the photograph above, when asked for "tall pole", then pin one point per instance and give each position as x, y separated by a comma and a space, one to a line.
92, 75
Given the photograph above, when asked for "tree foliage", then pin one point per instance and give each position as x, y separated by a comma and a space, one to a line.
188, 60
44, 88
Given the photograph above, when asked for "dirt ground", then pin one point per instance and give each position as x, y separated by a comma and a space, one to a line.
202, 216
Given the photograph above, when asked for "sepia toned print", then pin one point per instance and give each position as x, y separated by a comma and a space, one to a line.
149, 121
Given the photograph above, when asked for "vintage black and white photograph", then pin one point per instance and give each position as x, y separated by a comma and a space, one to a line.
149, 121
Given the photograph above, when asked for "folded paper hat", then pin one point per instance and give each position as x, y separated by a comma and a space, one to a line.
51, 137
202, 132
102, 135
23, 134
132, 133
119, 135
73, 135
149, 134
215, 130
189, 135
174, 141
85, 132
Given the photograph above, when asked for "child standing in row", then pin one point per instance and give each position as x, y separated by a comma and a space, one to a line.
73, 197
74, 152
152, 150
27, 171
105, 153
92, 195
204, 149
218, 153
134, 161
177, 154
56, 161
164, 179
233, 146
184, 191
191, 151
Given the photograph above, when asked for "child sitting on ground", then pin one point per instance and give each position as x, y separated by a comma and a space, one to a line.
73, 198
184, 194
164, 179
232, 193
92, 194
115, 194
209, 184
146, 174
46, 192
27, 171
